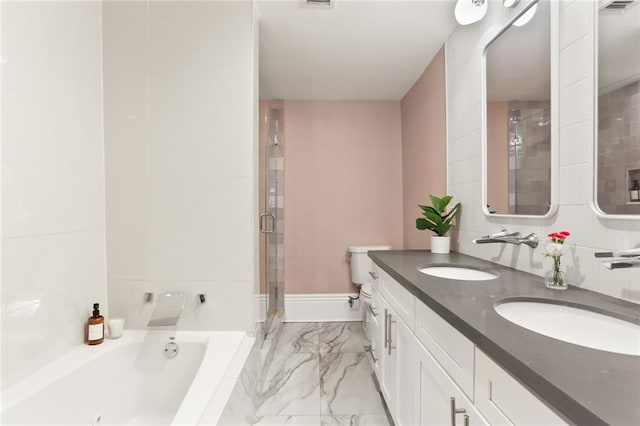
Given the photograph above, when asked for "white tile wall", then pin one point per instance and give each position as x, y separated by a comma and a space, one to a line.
589, 233
179, 158
53, 220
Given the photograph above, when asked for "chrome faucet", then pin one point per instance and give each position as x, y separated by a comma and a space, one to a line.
167, 311
620, 259
507, 237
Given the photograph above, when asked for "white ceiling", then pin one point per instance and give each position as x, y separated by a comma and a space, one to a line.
357, 50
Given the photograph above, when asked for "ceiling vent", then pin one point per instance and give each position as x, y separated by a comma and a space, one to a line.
617, 5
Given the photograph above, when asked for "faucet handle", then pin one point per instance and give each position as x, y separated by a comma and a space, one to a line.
531, 240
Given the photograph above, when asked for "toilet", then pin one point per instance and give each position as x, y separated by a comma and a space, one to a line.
360, 268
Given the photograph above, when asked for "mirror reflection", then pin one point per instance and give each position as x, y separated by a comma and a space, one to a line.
518, 116
618, 149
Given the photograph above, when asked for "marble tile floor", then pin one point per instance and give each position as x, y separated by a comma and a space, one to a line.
308, 374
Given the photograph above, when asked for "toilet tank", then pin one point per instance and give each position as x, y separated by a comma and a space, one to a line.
361, 263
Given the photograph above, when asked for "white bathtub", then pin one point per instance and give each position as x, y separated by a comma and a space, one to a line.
127, 381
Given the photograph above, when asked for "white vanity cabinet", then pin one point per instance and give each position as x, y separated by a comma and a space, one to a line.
396, 365
430, 374
441, 401
504, 401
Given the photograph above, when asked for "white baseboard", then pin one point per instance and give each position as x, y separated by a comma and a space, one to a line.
259, 307
321, 308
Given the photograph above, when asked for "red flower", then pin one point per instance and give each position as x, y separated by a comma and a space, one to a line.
559, 237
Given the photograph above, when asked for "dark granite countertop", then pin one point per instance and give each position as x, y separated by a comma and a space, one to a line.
585, 386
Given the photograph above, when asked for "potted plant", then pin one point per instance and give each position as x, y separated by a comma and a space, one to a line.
437, 219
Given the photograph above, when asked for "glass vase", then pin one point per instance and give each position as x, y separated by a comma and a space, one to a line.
555, 279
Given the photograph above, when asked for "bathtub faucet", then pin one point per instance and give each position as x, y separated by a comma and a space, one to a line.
167, 311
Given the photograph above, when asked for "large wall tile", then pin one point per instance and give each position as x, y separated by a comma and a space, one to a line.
180, 154
53, 218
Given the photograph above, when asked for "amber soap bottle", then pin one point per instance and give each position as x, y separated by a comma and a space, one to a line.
95, 327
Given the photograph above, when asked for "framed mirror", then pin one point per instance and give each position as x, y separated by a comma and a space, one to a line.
617, 123
520, 115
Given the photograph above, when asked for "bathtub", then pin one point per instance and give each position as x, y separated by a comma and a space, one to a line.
128, 381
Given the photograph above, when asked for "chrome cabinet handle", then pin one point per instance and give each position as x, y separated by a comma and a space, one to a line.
373, 275
386, 328
373, 312
391, 321
263, 228
455, 411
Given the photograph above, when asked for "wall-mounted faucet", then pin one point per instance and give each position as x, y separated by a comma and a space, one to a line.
620, 259
507, 237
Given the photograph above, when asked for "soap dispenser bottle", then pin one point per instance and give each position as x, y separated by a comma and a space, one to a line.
95, 327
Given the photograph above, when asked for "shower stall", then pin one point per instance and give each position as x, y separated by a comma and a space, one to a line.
271, 146
529, 136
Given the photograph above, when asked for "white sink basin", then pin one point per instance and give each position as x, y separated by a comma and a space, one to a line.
574, 325
458, 273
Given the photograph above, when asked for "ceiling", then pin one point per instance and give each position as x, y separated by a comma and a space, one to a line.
356, 50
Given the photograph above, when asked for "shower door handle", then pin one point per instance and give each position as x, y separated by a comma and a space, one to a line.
263, 221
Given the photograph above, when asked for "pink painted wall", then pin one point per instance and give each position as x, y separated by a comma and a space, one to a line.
498, 156
424, 158
343, 180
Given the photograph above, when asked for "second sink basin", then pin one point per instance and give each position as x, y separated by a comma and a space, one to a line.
576, 325
458, 273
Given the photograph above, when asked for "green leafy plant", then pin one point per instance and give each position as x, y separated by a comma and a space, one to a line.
436, 218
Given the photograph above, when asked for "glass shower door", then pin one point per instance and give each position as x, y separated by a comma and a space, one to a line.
272, 214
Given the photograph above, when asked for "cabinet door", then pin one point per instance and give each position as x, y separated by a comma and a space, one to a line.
440, 400
388, 361
504, 401
402, 343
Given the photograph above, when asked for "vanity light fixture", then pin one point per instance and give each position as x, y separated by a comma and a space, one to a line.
470, 11
527, 16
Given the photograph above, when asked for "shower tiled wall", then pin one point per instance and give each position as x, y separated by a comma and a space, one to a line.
529, 157
618, 148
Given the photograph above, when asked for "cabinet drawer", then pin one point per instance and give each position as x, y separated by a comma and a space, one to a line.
504, 401
448, 346
398, 297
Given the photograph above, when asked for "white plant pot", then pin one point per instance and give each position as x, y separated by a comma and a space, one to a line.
440, 245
